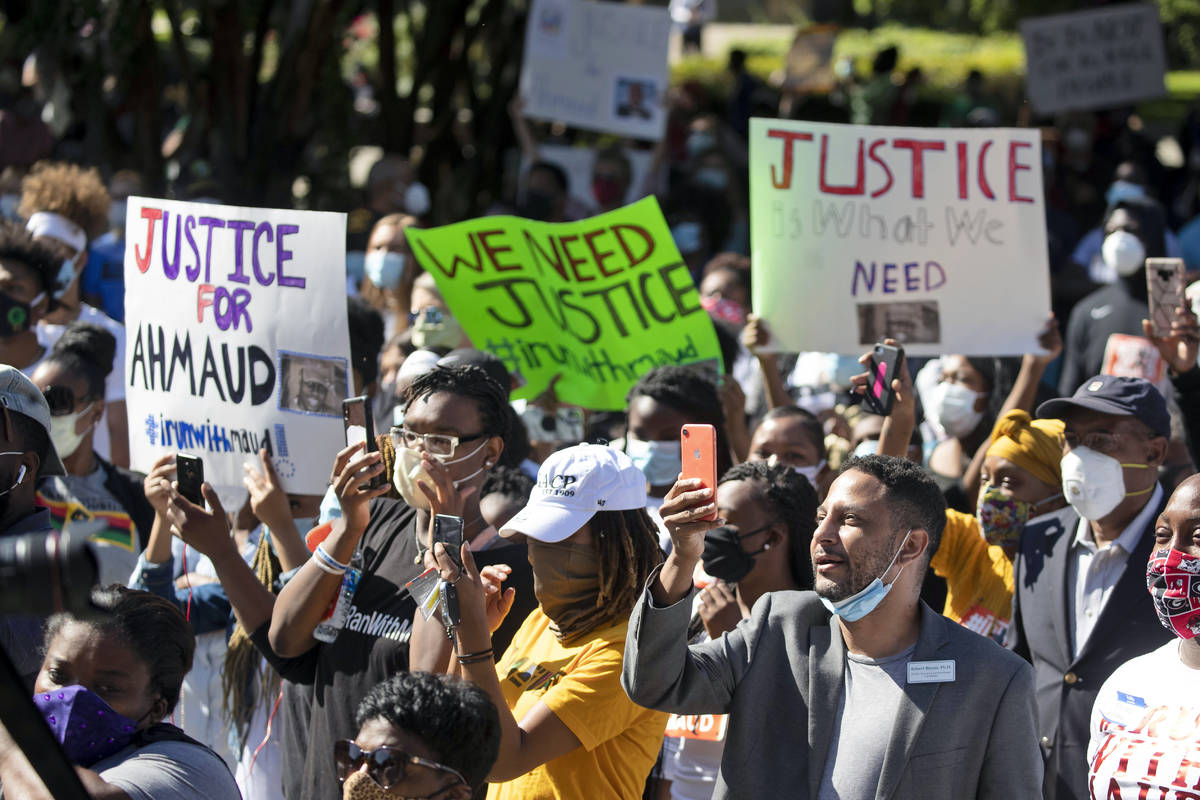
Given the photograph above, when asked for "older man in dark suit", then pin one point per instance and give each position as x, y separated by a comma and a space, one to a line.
1080, 603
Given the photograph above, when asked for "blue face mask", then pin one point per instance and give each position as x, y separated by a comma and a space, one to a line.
384, 268
687, 236
712, 178
660, 462
859, 604
330, 508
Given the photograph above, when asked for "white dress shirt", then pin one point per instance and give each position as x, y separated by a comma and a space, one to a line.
1094, 571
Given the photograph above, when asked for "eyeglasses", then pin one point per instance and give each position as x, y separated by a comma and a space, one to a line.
387, 766
433, 315
437, 444
1100, 441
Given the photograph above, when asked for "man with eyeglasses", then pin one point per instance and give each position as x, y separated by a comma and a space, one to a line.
1080, 606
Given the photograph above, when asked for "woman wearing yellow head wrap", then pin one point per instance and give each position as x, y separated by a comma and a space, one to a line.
1020, 481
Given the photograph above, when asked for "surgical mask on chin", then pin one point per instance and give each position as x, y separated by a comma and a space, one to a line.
1094, 483
660, 462
1002, 517
63, 435
384, 268
409, 470
1173, 578
861, 603
1124, 252
954, 407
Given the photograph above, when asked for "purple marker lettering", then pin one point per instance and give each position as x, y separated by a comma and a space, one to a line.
240, 226
210, 223
286, 255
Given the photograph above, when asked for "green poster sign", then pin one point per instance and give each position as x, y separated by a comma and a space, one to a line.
600, 301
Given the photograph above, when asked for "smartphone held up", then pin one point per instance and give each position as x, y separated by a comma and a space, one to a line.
699, 446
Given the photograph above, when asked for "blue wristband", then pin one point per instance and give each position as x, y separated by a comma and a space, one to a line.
329, 560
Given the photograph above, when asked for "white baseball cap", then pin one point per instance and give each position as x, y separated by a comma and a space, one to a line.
572, 485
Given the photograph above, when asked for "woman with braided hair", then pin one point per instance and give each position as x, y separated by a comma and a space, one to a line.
567, 727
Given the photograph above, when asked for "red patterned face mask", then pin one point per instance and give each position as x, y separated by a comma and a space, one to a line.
1173, 578
722, 309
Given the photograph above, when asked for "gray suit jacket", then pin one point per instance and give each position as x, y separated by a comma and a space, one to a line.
779, 675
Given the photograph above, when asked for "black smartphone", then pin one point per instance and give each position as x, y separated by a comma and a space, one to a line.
882, 369
360, 427
449, 531
189, 474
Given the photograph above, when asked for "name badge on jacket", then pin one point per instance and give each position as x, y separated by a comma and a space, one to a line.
931, 671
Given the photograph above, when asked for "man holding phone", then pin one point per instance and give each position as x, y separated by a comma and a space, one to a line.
857, 690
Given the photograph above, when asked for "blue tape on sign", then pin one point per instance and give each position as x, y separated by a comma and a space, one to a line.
281, 442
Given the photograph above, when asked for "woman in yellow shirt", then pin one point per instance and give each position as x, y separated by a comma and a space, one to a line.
1020, 494
568, 728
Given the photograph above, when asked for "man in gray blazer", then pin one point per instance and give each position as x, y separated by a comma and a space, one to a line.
858, 691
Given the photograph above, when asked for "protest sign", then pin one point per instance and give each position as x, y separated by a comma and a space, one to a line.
809, 63
238, 341
1102, 58
600, 301
595, 65
935, 237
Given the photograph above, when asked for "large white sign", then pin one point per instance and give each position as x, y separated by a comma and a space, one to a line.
935, 237
1107, 57
237, 339
595, 65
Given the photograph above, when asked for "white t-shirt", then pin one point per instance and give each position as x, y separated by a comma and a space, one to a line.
1146, 730
114, 385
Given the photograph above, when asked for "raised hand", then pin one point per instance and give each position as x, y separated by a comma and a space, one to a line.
681, 512
1181, 347
351, 473
157, 484
268, 500
719, 609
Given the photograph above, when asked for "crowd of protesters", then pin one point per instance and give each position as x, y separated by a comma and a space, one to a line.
994, 591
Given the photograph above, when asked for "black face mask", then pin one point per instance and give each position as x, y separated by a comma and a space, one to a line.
724, 557
15, 315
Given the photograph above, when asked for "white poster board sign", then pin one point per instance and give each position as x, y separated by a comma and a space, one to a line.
1103, 58
599, 66
237, 339
935, 237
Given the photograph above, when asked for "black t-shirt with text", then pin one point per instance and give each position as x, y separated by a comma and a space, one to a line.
371, 647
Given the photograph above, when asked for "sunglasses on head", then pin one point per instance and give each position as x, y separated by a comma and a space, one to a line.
387, 766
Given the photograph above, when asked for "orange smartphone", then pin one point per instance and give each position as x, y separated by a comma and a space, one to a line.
699, 449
